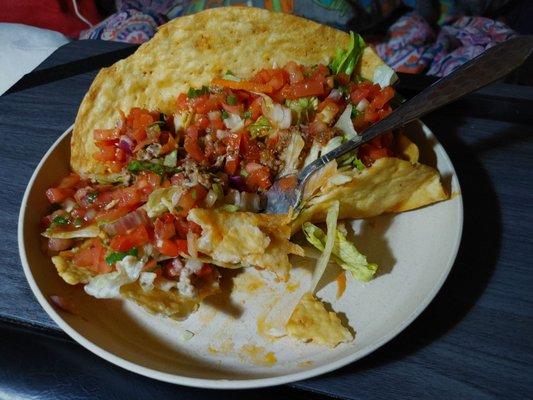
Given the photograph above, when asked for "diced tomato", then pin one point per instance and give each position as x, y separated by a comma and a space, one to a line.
259, 178
383, 97
191, 145
205, 103
147, 182
193, 226
232, 153
243, 85
182, 102
137, 237
106, 134
191, 199
255, 108
105, 153
182, 246
93, 258
164, 227
205, 271
182, 227
113, 214
303, 89
249, 148
167, 247
236, 109
295, 72
58, 195
169, 145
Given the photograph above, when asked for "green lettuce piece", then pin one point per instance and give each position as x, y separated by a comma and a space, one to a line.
261, 127
345, 254
162, 200
345, 61
303, 108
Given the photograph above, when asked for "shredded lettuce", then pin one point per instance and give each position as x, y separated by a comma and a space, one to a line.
331, 145
345, 124
163, 200
291, 154
345, 254
345, 61
327, 245
197, 92
261, 127
302, 108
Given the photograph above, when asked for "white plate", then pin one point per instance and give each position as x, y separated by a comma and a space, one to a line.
415, 251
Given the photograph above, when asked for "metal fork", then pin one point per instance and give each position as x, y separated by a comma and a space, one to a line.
493, 64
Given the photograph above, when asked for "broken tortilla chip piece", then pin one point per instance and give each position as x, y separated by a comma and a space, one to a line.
389, 185
259, 240
156, 301
69, 272
310, 321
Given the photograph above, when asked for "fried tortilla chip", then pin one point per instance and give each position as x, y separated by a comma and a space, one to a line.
190, 52
310, 321
246, 238
71, 273
389, 185
156, 301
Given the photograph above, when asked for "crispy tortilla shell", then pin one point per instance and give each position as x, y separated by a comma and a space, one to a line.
260, 240
389, 185
190, 52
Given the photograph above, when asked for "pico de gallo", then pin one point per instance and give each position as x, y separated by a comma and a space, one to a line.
222, 147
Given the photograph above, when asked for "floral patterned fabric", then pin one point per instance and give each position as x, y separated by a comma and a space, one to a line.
436, 37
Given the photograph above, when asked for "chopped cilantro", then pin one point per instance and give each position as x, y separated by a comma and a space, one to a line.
78, 222
224, 114
355, 112
91, 197
61, 220
247, 115
194, 195
359, 164
231, 100
114, 257
197, 92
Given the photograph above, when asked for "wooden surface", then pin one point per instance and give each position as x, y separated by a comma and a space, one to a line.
476, 338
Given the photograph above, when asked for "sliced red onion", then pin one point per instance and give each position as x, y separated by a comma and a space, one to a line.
335, 94
127, 222
56, 244
126, 143
237, 182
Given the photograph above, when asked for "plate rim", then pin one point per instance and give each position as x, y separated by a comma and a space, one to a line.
229, 383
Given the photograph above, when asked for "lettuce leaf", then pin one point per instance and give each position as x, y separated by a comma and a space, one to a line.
162, 200
345, 61
344, 253
302, 108
327, 245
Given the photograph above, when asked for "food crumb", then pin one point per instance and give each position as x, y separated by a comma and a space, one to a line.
186, 335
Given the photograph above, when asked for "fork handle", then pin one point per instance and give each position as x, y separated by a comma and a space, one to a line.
486, 68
